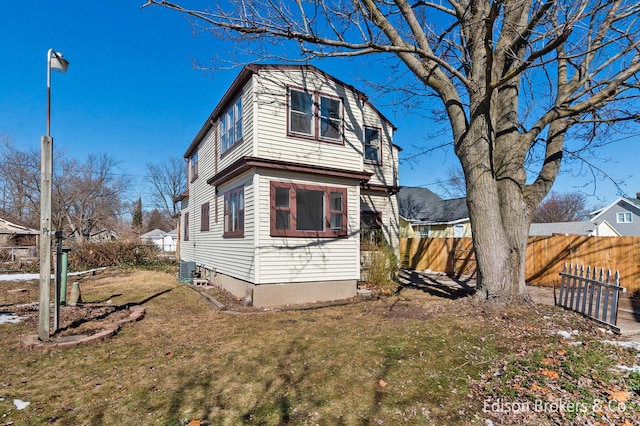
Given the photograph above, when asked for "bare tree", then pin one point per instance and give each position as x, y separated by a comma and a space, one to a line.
86, 197
518, 80
453, 185
155, 219
168, 180
565, 207
20, 181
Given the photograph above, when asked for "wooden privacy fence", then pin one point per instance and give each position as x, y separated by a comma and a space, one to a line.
545, 256
592, 295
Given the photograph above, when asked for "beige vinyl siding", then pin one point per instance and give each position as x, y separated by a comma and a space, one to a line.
199, 193
295, 259
271, 91
232, 256
387, 206
387, 173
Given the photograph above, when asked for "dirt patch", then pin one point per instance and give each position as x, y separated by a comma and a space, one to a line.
84, 319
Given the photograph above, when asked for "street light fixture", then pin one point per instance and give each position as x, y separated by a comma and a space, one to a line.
57, 62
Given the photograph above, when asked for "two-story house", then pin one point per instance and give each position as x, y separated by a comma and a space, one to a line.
280, 177
623, 215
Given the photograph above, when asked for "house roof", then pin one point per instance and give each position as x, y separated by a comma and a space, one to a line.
9, 225
243, 77
158, 233
633, 202
566, 228
426, 207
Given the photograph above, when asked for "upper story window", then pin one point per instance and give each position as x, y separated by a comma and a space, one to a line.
625, 217
231, 126
308, 210
234, 213
301, 113
315, 115
193, 166
372, 145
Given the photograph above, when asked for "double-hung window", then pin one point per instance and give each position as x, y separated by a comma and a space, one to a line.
301, 113
231, 126
625, 217
372, 145
193, 166
330, 118
234, 213
315, 115
308, 210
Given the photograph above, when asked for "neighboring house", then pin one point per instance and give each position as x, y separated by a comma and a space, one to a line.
587, 228
166, 241
16, 238
281, 176
623, 214
431, 216
103, 236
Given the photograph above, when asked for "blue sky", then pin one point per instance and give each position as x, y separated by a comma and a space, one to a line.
133, 93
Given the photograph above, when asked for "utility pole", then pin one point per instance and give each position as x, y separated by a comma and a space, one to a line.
46, 170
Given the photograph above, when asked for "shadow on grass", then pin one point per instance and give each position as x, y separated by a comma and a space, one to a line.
441, 286
77, 323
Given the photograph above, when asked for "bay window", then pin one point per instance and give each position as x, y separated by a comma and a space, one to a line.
308, 210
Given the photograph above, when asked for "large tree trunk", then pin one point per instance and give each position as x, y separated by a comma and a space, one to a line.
499, 211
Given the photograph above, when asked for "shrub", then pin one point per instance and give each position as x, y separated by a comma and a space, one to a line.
89, 255
379, 269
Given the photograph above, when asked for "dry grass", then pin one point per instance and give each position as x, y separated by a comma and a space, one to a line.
408, 359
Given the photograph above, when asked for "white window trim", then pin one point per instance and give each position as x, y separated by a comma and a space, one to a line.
621, 217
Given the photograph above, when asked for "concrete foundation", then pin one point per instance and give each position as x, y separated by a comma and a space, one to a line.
281, 294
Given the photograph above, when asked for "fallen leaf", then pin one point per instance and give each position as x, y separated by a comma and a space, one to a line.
550, 374
536, 388
194, 422
383, 383
620, 396
169, 354
561, 352
549, 361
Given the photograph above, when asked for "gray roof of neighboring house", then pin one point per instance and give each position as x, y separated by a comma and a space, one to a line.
572, 228
421, 204
158, 233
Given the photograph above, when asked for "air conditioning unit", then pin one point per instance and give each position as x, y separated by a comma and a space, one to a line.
186, 271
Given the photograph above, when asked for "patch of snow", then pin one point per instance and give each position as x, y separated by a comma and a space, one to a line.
567, 335
20, 404
634, 369
8, 317
629, 345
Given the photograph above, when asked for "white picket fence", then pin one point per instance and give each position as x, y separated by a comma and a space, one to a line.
594, 295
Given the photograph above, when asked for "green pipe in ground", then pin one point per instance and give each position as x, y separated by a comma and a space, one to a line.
63, 278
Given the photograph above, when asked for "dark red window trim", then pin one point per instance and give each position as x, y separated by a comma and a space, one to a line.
237, 233
292, 231
186, 227
204, 217
316, 117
